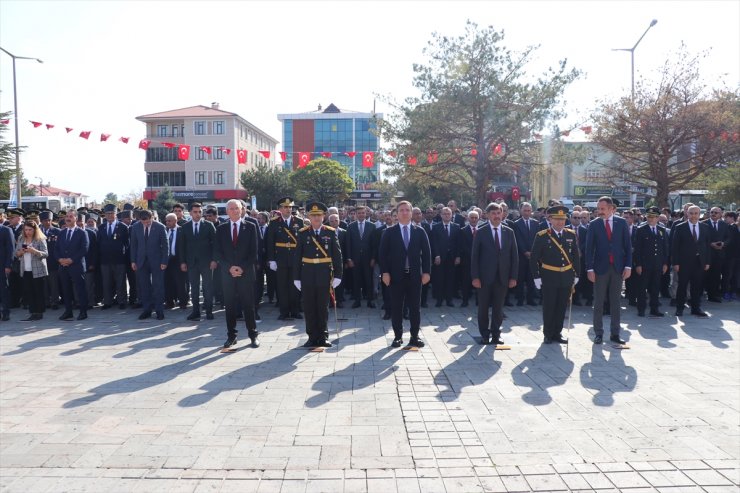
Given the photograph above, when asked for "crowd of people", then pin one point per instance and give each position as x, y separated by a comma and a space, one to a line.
307, 260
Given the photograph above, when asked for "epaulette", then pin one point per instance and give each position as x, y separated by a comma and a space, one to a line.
304, 228
275, 218
569, 230
329, 228
542, 233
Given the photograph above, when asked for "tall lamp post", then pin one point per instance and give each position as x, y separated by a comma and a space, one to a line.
18, 176
632, 54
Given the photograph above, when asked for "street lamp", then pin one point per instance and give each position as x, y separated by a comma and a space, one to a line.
18, 177
632, 54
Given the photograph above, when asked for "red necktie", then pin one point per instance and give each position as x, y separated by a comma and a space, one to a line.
609, 238
234, 236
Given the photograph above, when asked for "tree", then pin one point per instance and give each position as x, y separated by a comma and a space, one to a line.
724, 185
322, 179
163, 203
134, 197
268, 184
110, 198
673, 133
475, 96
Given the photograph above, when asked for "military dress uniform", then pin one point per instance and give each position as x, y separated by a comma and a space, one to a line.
650, 254
556, 261
281, 243
317, 262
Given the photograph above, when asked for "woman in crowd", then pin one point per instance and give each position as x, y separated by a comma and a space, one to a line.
32, 253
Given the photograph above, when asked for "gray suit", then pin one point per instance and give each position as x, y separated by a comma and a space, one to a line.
148, 254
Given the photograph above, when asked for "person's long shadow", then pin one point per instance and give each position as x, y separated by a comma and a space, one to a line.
607, 376
700, 329
475, 365
548, 368
660, 330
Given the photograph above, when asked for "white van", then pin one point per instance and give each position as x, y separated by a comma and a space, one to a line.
221, 207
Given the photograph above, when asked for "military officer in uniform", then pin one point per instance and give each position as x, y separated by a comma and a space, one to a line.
317, 265
650, 256
555, 264
281, 242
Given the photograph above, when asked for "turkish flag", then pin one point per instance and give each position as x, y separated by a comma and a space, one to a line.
227, 151
350, 154
724, 136
412, 160
303, 159
392, 154
205, 149
104, 137
4, 122
85, 135
565, 133
183, 152
587, 129
473, 151
49, 126
432, 157
326, 154
36, 124
284, 156
168, 145
736, 136
266, 154
241, 156
368, 159
497, 149
124, 140
144, 144
68, 129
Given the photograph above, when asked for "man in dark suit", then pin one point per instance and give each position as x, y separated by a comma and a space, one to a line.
608, 263
457, 218
719, 233
467, 236
211, 215
51, 282
197, 240
417, 217
584, 288
446, 254
91, 259
71, 248
494, 265
149, 257
7, 248
690, 255
175, 280
360, 257
405, 263
236, 254
113, 242
650, 257
260, 269
342, 237
525, 228
15, 223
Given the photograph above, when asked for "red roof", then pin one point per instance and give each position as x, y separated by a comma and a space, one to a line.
47, 191
199, 111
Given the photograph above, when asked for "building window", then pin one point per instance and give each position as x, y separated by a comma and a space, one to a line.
165, 179
200, 177
218, 177
200, 154
175, 130
218, 152
199, 128
161, 154
592, 173
161, 130
218, 127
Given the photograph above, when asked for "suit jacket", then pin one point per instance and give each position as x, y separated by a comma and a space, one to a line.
244, 254
598, 246
487, 263
38, 263
722, 233
7, 246
650, 250
524, 236
176, 238
196, 250
466, 242
155, 249
683, 247
91, 259
342, 237
75, 248
261, 246
112, 248
51, 244
393, 253
444, 246
458, 219
582, 234
360, 249
375, 241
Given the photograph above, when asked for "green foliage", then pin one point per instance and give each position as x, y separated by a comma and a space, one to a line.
268, 184
324, 180
723, 184
163, 203
110, 198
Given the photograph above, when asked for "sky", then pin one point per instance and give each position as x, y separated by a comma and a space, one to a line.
107, 62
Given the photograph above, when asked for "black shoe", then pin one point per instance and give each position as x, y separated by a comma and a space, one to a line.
309, 343
415, 341
641, 313
679, 312
209, 315
714, 299
673, 301
55, 307
450, 304
105, 307
255, 342
498, 341
424, 305
122, 306
169, 305
560, 340
616, 340
598, 340
656, 314
340, 304
531, 303
632, 303
6, 317
520, 303
193, 316
547, 340
577, 303
283, 317
297, 316
356, 304
231, 341
699, 313
82, 315
145, 315
324, 343
370, 304
397, 342
387, 316
183, 306
508, 303
485, 340
30, 318
66, 316
136, 305
257, 317
464, 304
438, 304
160, 316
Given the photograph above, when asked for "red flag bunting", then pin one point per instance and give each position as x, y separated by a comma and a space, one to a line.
392, 154
350, 154
368, 159
473, 151
565, 133
497, 149
124, 140
326, 154
736, 136
68, 129
432, 157
49, 126
104, 137
241, 156
205, 149
85, 134
412, 160
724, 136
36, 124
168, 145
266, 154
227, 151
183, 152
587, 129
303, 159
4, 122
144, 144
284, 156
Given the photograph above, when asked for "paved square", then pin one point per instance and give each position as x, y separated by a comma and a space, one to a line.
116, 404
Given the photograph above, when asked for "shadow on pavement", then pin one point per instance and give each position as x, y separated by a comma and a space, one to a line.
607, 376
548, 368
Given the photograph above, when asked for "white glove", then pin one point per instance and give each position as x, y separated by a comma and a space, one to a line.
336, 282
273, 265
297, 285
575, 281
538, 283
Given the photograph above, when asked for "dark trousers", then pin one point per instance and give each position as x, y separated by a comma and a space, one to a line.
491, 296
259, 285
133, 293
525, 280
239, 298
73, 281
405, 291
175, 283
16, 289
150, 281
630, 287
316, 312
648, 283
712, 278
198, 273
554, 303
218, 286
443, 277
362, 279
584, 288
466, 282
51, 288
33, 292
114, 281
691, 274
271, 284
609, 284
4, 293
287, 292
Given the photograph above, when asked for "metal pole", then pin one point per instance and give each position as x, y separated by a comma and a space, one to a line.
632, 57
18, 178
